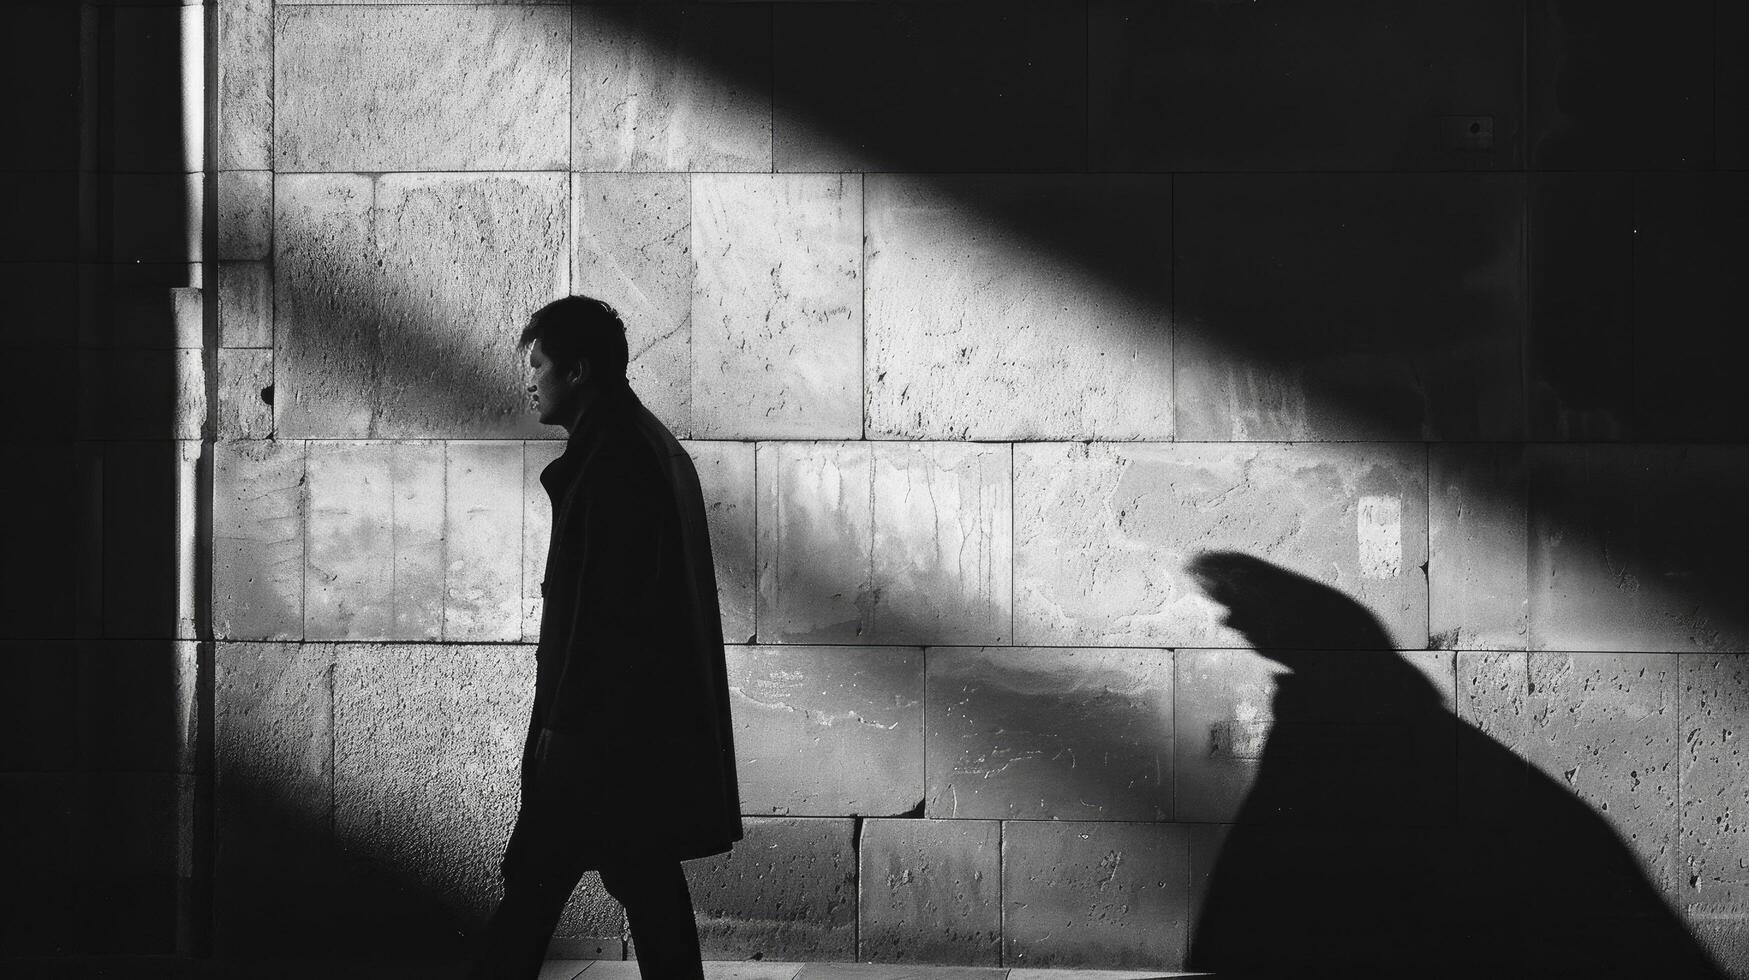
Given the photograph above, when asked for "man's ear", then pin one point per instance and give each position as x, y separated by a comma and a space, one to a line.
579, 372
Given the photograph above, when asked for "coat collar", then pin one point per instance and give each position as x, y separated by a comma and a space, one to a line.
611, 410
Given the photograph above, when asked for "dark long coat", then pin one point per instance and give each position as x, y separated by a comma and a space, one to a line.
630, 751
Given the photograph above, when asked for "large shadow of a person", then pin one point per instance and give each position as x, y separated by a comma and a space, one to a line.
1383, 836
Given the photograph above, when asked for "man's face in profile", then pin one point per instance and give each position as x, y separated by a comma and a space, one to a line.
553, 388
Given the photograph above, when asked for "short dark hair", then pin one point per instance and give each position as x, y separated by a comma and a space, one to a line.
579, 328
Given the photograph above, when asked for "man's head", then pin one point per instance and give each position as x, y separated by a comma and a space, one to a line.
576, 348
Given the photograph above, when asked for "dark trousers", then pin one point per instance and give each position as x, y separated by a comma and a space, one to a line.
658, 908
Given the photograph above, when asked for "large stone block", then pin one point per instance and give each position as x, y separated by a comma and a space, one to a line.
1589, 66
1601, 730
1688, 256
725, 471
1095, 894
150, 490
245, 298
399, 299
537, 531
885, 543
671, 88
137, 706
40, 64
1731, 152
785, 892
40, 697
153, 217
1050, 734
1476, 541
274, 749
258, 540
43, 207
482, 541
930, 892
149, 92
1314, 738
245, 393
1019, 307
40, 565
1103, 533
777, 306
1015, 100
245, 214
1579, 350
426, 745
142, 394
1713, 837
425, 88
1189, 86
1637, 548
376, 547
1387, 306
828, 731
45, 315
244, 53
633, 239
37, 812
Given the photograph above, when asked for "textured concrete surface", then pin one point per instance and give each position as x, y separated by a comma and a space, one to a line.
1579, 349
376, 541
1365, 737
244, 200
142, 394
243, 51
785, 892
151, 89
1391, 308
633, 239
1688, 248
426, 743
415, 99
1094, 894
1713, 833
671, 88
1050, 734
40, 565
150, 489
245, 298
726, 474
888, 543
537, 530
1602, 725
482, 541
1019, 307
828, 731
245, 380
1476, 544
137, 706
1352, 88
274, 757
1637, 548
154, 217
1587, 68
930, 892
1102, 533
777, 306
399, 299
258, 540
1016, 100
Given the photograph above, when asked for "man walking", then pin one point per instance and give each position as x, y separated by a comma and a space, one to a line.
629, 766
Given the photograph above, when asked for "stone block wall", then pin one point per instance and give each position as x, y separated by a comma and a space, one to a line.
102, 416
984, 321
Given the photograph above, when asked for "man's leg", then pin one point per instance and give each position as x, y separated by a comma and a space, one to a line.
659, 910
541, 870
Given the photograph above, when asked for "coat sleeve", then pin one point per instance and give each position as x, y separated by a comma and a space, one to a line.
606, 674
